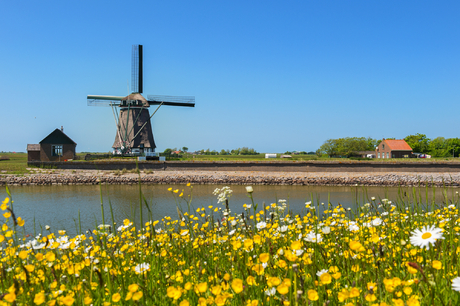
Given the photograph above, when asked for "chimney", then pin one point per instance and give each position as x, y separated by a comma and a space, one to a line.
62, 128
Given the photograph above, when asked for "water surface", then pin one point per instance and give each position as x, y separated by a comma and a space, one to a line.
59, 206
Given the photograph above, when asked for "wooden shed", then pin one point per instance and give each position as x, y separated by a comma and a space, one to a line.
57, 146
33, 152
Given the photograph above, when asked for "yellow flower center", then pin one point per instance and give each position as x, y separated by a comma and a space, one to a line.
426, 235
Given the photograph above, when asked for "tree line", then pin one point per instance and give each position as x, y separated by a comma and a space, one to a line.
349, 146
239, 151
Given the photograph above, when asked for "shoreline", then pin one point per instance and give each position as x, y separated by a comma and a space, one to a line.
93, 177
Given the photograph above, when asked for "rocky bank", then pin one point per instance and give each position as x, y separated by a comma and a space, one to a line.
80, 177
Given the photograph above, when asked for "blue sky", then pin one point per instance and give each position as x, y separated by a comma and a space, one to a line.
271, 75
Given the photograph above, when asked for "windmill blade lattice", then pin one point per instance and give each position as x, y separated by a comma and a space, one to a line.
171, 100
103, 100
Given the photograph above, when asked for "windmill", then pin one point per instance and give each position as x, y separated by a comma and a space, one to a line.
131, 112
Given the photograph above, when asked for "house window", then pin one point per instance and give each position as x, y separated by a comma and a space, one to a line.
383, 147
388, 155
378, 155
56, 150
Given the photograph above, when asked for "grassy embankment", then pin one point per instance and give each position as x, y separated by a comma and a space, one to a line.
17, 163
381, 253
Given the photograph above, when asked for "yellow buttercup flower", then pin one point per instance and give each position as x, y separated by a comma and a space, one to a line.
273, 281
184, 303
29, 268
355, 245
216, 290
436, 264
343, 295
23, 254
137, 296
39, 298
264, 257
312, 295
67, 300
87, 300
237, 285
116, 297
354, 292
370, 297
10, 297
283, 289
50, 256
325, 278
133, 288
202, 287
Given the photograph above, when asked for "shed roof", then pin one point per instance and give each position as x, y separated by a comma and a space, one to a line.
57, 137
398, 145
33, 147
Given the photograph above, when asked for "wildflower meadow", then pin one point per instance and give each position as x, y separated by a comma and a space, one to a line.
399, 252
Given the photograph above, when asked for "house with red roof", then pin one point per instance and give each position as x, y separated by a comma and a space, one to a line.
393, 148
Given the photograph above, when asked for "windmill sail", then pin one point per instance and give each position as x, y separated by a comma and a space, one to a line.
136, 69
187, 101
103, 100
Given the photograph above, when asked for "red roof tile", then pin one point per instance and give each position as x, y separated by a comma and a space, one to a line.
398, 145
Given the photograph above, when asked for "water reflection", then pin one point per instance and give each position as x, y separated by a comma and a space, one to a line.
62, 206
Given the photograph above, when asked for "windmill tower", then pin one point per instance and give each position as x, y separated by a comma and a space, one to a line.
131, 113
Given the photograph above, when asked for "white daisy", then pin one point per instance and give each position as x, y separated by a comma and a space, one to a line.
141, 268
283, 228
319, 273
456, 284
261, 225
271, 291
376, 222
426, 236
312, 237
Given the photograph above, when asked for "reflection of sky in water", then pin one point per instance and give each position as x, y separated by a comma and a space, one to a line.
58, 206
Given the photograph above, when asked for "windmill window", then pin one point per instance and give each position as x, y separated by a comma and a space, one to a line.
56, 150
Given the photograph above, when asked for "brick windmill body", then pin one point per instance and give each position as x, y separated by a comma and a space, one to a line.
131, 113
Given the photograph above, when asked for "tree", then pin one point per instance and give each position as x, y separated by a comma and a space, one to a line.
347, 146
184, 149
167, 152
453, 147
418, 142
438, 147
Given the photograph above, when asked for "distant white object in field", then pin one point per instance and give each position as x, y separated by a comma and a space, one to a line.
286, 156
270, 155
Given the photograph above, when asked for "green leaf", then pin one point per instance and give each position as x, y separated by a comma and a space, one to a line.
8, 191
